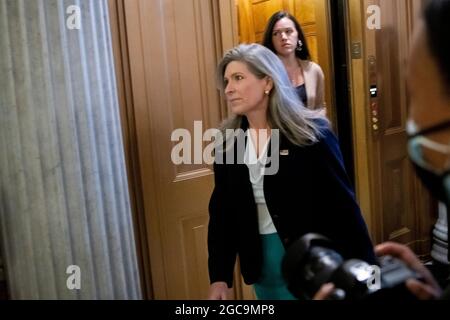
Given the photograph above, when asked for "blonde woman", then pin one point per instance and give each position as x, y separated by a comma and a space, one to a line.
256, 214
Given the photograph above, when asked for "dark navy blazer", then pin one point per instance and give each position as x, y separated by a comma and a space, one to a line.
310, 193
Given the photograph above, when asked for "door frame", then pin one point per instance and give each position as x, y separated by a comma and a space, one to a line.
362, 141
228, 34
366, 173
119, 39
145, 221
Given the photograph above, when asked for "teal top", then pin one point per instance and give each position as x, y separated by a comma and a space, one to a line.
271, 285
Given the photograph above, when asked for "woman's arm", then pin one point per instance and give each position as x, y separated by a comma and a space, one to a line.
221, 239
336, 202
320, 92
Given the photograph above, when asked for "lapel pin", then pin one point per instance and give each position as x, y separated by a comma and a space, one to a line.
284, 152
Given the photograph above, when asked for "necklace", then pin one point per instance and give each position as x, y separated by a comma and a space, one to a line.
295, 76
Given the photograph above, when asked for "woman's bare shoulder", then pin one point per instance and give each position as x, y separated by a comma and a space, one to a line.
312, 67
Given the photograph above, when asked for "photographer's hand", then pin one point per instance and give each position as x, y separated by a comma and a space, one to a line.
218, 291
324, 292
429, 289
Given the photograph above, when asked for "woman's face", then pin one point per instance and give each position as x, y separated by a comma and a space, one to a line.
285, 37
429, 105
245, 93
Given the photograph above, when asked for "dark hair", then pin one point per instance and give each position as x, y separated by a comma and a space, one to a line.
437, 21
267, 40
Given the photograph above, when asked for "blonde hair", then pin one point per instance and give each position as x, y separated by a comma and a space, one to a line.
286, 111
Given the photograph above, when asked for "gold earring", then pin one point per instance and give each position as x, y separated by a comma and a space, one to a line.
267, 92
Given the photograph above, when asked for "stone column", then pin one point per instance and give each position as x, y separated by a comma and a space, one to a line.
63, 185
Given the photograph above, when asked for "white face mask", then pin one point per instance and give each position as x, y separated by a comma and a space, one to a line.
423, 153
426, 152
435, 178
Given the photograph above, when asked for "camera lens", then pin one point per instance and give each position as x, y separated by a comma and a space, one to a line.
308, 264
311, 262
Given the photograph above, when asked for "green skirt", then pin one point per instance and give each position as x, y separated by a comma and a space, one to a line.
271, 285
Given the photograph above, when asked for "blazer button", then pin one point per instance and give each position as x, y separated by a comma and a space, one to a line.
275, 216
286, 240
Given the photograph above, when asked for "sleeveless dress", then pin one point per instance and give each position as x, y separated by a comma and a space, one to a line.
301, 91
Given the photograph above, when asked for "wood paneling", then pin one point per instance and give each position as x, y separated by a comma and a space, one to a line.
305, 12
390, 194
253, 17
167, 54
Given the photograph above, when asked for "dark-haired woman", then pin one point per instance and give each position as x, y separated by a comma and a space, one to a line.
285, 38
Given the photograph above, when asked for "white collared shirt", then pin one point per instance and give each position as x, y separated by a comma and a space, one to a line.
256, 171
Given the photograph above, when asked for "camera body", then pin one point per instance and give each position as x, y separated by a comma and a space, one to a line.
313, 261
